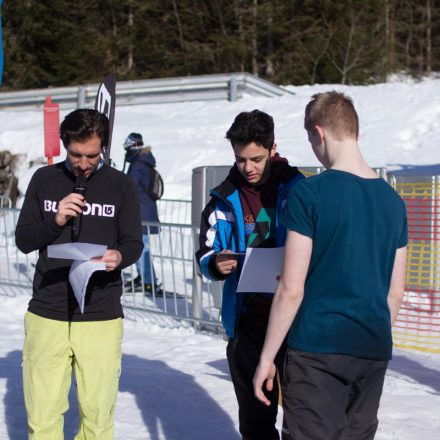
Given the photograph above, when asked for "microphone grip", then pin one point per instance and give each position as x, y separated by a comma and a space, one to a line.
76, 223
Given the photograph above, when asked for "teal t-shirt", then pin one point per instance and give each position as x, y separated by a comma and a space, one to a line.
356, 225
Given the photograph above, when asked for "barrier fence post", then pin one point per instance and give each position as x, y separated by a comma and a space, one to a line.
197, 286
233, 95
81, 100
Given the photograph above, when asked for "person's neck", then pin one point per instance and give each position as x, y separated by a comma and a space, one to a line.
346, 156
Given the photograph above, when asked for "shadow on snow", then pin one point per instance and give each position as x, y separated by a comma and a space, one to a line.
416, 371
170, 402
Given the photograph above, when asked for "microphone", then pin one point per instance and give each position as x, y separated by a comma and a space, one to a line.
79, 188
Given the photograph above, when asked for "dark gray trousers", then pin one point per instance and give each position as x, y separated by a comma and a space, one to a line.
331, 396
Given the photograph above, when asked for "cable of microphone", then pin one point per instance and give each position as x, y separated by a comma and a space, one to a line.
79, 188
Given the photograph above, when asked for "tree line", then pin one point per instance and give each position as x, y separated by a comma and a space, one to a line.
60, 42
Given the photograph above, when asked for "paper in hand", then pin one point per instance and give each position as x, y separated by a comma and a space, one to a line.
76, 251
79, 275
82, 269
261, 270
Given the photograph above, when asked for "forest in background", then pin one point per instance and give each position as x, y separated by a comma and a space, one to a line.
60, 42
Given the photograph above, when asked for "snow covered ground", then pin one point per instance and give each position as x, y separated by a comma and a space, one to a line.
175, 386
175, 382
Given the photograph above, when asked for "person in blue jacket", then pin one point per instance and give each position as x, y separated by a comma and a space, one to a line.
141, 161
244, 212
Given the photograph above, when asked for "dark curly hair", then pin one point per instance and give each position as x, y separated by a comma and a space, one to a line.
255, 126
81, 124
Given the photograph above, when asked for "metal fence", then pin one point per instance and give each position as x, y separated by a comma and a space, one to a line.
172, 252
16, 269
174, 211
227, 86
172, 255
195, 299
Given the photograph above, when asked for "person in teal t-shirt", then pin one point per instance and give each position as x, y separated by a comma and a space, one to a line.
341, 286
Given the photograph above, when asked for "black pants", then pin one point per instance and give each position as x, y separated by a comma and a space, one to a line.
256, 420
331, 396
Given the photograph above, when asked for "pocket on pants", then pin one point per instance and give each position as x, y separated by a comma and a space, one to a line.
28, 332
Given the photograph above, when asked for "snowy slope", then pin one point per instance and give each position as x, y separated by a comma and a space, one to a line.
400, 127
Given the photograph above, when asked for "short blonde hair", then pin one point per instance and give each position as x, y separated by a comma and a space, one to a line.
333, 111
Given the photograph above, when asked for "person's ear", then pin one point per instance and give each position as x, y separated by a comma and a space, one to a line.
273, 150
320, 131
315, 135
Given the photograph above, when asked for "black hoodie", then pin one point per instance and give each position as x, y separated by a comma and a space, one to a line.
111, 218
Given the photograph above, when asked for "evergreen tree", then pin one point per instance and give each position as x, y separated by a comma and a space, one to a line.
287, 41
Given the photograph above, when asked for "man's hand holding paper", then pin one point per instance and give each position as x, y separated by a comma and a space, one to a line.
111, 258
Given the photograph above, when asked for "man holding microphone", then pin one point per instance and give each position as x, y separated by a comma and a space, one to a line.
81, 199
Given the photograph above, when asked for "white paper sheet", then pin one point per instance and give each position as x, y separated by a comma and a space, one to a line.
76, 251
82, 269
261, 269
79, 276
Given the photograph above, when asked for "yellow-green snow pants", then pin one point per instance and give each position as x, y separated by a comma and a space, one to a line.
51, 350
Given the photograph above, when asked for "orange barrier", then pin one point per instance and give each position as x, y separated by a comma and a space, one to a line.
418, 323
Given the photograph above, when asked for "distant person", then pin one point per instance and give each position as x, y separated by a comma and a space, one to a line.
244, 212
58, 337
341, 285
141, 162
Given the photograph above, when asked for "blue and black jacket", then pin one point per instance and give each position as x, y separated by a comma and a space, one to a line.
222, 227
